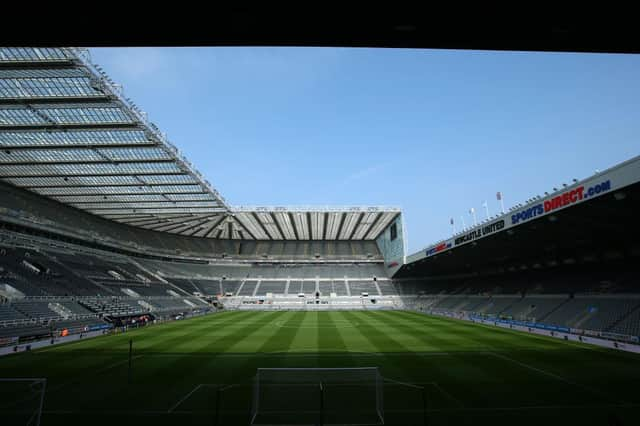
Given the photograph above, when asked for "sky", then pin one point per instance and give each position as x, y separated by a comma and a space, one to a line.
434, 132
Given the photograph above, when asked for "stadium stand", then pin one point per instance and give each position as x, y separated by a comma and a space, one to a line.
358, 287
248, 288
230, 286
630, 325
10, 315
128, 228
274, 287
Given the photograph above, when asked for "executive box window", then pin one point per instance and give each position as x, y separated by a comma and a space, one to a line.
394, 231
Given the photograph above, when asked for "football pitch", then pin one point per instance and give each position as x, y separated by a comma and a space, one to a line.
437, 371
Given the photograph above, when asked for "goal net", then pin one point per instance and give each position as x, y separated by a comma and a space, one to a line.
317, 396
21, 400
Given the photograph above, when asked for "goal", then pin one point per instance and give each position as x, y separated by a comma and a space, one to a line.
21, 400
317, 396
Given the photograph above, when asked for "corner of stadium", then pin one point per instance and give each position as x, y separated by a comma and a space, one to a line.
132, 292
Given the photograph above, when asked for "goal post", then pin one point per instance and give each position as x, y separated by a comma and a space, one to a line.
317, 396
22, 400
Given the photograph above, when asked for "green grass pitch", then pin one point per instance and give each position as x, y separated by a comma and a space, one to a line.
472, 374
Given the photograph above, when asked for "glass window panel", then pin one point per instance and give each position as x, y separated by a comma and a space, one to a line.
178, 197
109, 198
87, 169
47, 88
87, 115
74, 180
191, 191
48, 156
18, 117
71, 137
167, 179
120, 154
44, 73
142, 204
153, 210
12, 54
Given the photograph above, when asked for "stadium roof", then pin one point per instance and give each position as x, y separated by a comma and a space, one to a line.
67, 132
596, 212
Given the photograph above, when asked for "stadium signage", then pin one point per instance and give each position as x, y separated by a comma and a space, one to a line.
567, 198
440, 247
617, 177
480, 232
539, 325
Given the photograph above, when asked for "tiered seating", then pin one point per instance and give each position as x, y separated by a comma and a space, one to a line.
325, 288
151, 290
452, 303
168, 304
35, 309
308, 287
339, 287
197, 302
358, 287
295, 287
420, 286
7, 313
113, 306
629, 326
533, 308
21, 284
43, 278
604, 312
25, 330
210, 287
185, 285
248, 288
495, 305
275, 287
363, 271
54, 278
387, 288
230, 286
74, 307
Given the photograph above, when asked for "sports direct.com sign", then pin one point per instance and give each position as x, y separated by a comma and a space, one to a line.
565, 199
614, 179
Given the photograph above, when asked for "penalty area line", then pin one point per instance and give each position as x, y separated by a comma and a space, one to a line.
96, 372
184, 398
557, 377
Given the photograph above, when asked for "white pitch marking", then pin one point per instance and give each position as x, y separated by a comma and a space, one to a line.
448, 395
555, 376
101, 370
184, 398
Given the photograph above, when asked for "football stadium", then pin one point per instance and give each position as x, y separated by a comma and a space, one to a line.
132, 293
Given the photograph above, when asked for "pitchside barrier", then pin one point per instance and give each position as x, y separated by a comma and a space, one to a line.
562, 333
21, 400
